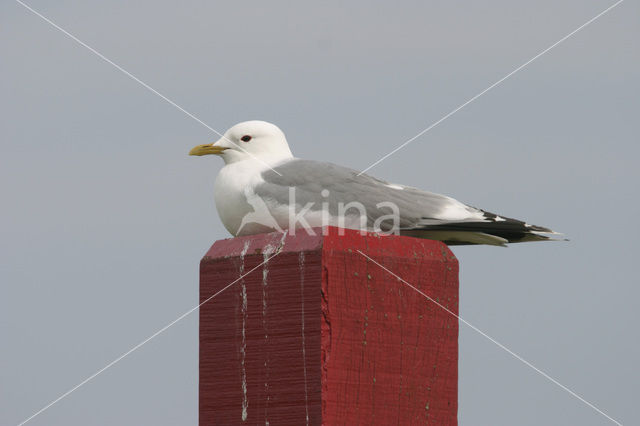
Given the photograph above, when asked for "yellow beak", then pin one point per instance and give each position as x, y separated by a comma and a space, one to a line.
207, 149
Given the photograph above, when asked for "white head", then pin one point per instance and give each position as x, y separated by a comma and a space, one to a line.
249, 140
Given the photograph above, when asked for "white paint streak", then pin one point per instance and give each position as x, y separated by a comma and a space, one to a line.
243, 348
394, 186
499, 219
267, 251
304, 351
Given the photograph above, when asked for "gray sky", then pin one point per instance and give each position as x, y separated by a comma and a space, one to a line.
105, 217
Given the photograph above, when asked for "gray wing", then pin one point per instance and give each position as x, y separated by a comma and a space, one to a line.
422, 214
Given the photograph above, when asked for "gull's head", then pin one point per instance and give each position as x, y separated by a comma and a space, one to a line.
257, 140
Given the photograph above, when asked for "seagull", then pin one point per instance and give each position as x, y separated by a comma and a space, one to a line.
264, 188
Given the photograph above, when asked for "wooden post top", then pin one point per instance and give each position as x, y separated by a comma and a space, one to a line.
320, 334
332, 237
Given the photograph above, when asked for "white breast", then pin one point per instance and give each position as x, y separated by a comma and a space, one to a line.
229, 191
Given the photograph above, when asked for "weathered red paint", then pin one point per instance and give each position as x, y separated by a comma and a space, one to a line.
329, 337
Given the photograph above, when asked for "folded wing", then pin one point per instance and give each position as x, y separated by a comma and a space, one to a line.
422, 214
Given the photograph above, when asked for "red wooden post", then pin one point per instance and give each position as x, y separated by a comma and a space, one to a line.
322, 335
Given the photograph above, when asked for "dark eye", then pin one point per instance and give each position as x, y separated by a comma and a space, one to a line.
245, 138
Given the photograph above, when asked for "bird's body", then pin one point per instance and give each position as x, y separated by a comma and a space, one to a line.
263, 188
